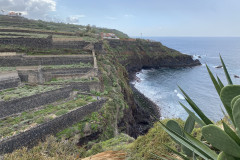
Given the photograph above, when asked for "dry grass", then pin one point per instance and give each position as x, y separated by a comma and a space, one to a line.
49, 150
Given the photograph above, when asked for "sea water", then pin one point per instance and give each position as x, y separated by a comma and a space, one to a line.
161, 85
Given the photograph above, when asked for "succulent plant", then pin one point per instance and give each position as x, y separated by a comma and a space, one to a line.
226, 140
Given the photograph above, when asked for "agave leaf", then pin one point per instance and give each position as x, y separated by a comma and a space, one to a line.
202, 151
226, 72
224, 156
231, 133
234, 100
236, 116
196, 109
220, 82
189, 124
216, 85
176, 152
200, 145
221, 140
198, 120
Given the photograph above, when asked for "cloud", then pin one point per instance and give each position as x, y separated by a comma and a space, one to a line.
129, 16
110, 18
74, 19
36, 9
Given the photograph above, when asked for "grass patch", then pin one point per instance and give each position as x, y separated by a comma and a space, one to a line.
80, 65
25, 91
15, 124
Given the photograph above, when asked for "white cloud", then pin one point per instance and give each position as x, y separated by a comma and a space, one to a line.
74, 19
129, 16
36, 9
110, 18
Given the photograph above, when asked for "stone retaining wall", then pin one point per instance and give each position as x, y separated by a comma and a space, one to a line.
8, 108
9, 83
33, 136
29, 42
49, 74
21, 60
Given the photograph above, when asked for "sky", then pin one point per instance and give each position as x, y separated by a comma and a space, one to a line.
191, 18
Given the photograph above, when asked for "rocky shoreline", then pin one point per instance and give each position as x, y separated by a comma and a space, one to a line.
147, 112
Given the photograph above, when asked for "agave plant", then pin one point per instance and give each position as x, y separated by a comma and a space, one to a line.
226, 141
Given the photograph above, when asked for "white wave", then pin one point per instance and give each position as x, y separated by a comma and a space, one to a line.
175, 91
180, 96
196, 57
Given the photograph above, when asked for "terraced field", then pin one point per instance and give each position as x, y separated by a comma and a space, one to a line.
42, 109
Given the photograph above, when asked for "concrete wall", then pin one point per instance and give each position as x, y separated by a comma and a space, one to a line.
21, 60
34, 135
8, 108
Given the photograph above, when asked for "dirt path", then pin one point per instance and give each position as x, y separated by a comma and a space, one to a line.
108, 155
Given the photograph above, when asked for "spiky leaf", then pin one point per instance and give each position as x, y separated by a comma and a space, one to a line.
198, 120
202, 151
176, 152
224, 156
205, 119
221, 140
231, 133
226, 72
215, 83
220, 82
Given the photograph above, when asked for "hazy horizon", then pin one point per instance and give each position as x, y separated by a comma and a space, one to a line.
158, 18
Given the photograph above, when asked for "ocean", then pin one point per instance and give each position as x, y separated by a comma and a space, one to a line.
161, 85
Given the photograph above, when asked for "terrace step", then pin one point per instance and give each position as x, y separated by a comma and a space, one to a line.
22, 60
9, 80
34, 135
27, 103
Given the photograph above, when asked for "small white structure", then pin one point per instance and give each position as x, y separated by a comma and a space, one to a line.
14, 14
109, 36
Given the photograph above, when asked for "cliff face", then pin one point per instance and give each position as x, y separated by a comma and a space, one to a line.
139, 117
142, 54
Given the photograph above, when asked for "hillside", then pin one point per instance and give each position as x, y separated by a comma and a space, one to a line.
104, 68
24, 23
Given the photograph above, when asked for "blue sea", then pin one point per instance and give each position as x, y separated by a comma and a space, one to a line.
160, 85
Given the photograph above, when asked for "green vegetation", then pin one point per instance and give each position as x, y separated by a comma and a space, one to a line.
3, 69
226, 141
49, 150
19, 34
26, 120
72, 80
51, 27
42, 51
80, 65
24, 91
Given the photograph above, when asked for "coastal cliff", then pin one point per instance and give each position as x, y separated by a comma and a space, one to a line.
143, 54
132, 56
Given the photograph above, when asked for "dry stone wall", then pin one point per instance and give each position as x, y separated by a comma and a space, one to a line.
21, 60
33, 136
8, 108
9, 83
